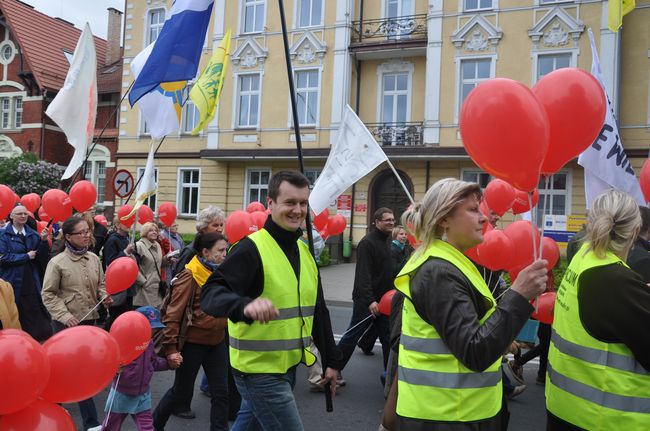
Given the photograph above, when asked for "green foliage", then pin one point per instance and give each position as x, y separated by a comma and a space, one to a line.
188, 237
324, 259
8, 167
26, 174
558, 272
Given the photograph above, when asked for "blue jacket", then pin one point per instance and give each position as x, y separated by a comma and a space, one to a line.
13, 256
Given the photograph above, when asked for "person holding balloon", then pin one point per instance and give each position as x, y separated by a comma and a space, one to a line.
23, 252
148, 290
599, 361
72, 287
453, 332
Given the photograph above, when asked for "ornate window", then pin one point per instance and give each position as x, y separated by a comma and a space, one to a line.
307, 96
248, 100
253, 16
310, 13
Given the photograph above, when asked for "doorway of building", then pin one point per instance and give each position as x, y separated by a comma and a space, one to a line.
386, 191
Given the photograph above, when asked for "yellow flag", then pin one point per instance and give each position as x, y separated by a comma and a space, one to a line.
617, 10
205, 93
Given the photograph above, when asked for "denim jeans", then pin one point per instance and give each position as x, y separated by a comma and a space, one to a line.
349, 341
267, 402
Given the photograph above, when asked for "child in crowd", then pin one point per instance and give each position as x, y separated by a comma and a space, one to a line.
132, 395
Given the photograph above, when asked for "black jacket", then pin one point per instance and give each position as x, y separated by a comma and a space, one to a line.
639, 258
114, 248
101, 235
373, 274
184, 257
240, 279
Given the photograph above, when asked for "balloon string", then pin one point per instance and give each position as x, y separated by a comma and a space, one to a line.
489, 280
110, 405
547, 183
93, 309
532, 226
369, 317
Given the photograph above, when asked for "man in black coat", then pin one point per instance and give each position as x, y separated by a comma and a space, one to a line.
373, 277
639, 257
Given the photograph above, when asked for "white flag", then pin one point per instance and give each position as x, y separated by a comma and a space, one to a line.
147, 186
74, 108
161, 108
355, 154
605, 163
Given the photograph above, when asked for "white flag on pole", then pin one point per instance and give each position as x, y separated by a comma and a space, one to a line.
147, 185
605, 163
74, 108
355, 154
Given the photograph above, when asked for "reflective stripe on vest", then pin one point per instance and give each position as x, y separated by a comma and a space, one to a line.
592, 384
427, 368
282, 343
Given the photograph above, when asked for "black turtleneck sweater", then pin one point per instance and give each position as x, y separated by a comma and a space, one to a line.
373, 275
240, 279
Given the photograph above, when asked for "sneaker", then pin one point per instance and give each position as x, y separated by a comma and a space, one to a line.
187, 414
516, 391
514, 372
340, 381
541, 380
97, 428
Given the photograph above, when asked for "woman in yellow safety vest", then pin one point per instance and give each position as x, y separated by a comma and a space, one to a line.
453, 332
598, 375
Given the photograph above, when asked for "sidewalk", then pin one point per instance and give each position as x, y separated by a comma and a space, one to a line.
337, 283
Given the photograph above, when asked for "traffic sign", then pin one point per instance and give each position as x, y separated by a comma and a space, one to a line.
123, 183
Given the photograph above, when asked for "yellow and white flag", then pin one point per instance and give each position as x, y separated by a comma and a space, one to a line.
147, 185
617, 10
205, 93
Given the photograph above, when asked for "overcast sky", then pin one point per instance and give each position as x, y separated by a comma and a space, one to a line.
80, 11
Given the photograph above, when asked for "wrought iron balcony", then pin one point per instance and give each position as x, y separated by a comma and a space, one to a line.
396, 29
397, 134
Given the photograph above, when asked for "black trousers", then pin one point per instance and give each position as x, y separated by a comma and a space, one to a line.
541, 350
214, 360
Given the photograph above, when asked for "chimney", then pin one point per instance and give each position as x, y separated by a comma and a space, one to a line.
113, 36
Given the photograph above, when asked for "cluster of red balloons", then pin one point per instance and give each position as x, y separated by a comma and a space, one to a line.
328, 225
517, 134
167, 213
242, 223
73, 365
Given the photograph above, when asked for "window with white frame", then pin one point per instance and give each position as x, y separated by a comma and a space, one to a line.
151, 201
479, 177
257, 185
553, 1
394, 98
471, 5
190, 117
18, 112
248, 100
155, 22
547, 63
556, 196
96, 170
307, 88
472, 73
187, 200
312, 175
5, 106
310, 13
253, 16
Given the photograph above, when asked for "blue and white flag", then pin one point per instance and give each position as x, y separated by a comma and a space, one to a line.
605, 163
177, 51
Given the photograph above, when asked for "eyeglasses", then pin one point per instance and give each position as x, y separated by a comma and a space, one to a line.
82, 233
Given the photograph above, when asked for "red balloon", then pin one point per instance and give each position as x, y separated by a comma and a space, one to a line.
43, 216
25, 371
514, 273
121, 274
499, 196
495, 252
83, 361
544, 308
521, 203
123, 212
238, 225
575, 105
7, 200
255, 206
550, 252
145, 215
132, 332
83, 195
99, 218
167, 213
38, 416
258, 218
336, 224
644, 179
324, 233
385, 302
321, 220
31, 201
521, 236
57, 204
505, 131
12, 331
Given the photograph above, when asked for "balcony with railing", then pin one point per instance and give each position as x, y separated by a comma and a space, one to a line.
397, 134
403, 34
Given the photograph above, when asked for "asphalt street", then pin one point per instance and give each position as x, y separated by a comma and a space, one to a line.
358, 406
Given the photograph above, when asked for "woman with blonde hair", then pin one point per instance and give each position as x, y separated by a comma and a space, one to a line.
150, 263
598, 375
453, 332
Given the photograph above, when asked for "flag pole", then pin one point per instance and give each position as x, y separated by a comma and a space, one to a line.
301, 163
400, 181
140, 179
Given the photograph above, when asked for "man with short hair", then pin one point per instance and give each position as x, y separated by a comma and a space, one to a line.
269, 287
373, 276
639, 257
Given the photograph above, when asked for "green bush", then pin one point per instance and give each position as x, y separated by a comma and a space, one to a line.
324, 259
26, 174
558, 272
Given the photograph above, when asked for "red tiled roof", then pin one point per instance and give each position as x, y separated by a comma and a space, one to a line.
109, 78
44, 39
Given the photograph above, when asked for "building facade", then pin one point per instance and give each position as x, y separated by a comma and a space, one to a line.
404, 65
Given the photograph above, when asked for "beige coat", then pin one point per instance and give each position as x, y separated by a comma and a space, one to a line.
148, 274
73, 285
8, 310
